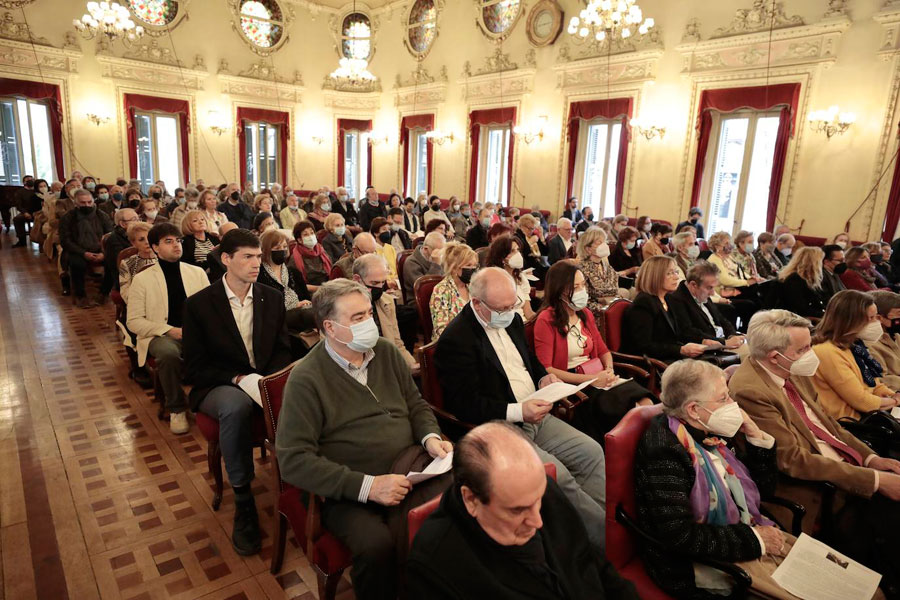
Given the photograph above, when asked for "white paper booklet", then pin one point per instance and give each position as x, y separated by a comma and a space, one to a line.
615, 384
557, 391
814, 571
250, 385
438, 466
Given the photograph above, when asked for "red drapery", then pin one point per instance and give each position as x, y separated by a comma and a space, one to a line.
784, 95
425, 122
893, 207
477, 118
269, 117
181, 108
345, 125
614, 108
50, 93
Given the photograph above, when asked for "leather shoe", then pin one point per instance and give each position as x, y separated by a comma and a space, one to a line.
245, 537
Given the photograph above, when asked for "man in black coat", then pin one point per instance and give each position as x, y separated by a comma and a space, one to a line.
697, 317
694, 216
505, 530
239, 213
371, 209
477, 235
80, 233
558, 246
116, 242
400, 239
234, 329
487, 372
342, 205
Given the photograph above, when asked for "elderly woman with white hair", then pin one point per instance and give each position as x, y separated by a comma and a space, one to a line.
696, 496
593, 260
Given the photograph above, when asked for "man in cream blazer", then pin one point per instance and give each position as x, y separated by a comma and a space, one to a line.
155, 313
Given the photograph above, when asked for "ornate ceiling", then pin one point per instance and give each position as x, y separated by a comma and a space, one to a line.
338, 4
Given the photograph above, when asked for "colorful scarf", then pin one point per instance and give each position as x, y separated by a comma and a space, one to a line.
868, 365
301, 251
709, 500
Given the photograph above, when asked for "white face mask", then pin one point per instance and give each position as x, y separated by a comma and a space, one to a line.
842, 245
806, 365
365, 335
725, 420
151, 214
309, 241
579, 299
516, 261
787, 251
602, 251
871, 332
192, 205
693, 252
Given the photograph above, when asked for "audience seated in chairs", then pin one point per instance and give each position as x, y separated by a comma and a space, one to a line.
477, 235
657, 245
767, 264
860, 274
238, 212
434, 212
643, 226
263, 222
801, 283
693, 220
156, 314
320, 212
487, 372
400, 239
734, 282
425, 260
504, 252
381, 231
504, 529
451, 294
134, 264
558, 246
412, 222
742, 254
775, 388
191, 201
234, 329
309, 256
587, 220
149, 211
118, 240
833, 266
276, 272
687, 252
338, 241
372, 207
371, 271
80, 233
263, 203
214, 218
626, 258
882, 278
601, 278
700, 496
334, 441
531, 241
848, 381
886, 268
886, 350
784, 247
650, 324
697, 317
441, 227
345, 208
30, 202
197, 243
363, 244
571, 212
568, 345
292, 214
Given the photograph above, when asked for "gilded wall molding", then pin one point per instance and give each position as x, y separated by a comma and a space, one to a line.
260, 81
150, 73
352, 100
613, 70
15, 3
507, 84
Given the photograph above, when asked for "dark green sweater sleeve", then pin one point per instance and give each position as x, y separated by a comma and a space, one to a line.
421, 417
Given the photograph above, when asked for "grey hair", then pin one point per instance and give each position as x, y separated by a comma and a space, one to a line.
120, 213
191, 192
432, 239
700, 270
478, 284
784, 238
768, 330
687, 381
81, 192
365, 263
681, 238
324, 301
563, 221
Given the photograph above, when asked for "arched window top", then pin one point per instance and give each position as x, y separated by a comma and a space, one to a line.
158, 16
356, 36
262, 23
421, 27
497, 17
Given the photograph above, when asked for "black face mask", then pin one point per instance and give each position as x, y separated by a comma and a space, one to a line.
377, 292
384, 237
134, 203
157, 195
664, 241
840, 268
29, 184
118, 196
895, 327
235, 196
466, 275
435, 207
694, 219
588, 217
85, 210
876, 259
279, 257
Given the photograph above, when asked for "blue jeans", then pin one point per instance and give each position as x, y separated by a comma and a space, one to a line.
233, 409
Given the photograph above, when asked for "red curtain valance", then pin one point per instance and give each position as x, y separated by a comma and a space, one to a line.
345, 125
893, 207
182, 108
33, 90
478, 118
613, 108
269, 117
425, 122
784, 95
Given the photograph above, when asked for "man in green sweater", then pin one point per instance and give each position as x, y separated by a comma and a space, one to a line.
350, 409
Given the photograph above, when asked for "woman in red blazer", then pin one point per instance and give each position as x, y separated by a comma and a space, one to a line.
568, 344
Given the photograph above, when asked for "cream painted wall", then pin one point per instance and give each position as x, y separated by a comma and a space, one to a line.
830, 179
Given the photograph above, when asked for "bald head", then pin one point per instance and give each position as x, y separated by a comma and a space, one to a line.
495, 287
364, 243
124, 216
226, 227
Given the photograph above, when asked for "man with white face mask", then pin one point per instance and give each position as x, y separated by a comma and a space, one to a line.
775, 388
350, 409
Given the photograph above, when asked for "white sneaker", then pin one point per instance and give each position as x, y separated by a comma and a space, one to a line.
178, 423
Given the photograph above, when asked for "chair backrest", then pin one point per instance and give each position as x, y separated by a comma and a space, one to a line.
614, 314
320, 234
422, 289
271, 388
104, 239
127, 252
431, 387
729, 371
529, 332
621, 444
336, 272
701, 243
418, 241
416, 517
401, 260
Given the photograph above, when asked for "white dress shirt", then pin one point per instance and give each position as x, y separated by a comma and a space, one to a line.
243, 317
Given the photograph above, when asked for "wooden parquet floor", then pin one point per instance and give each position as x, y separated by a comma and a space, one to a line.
97, 498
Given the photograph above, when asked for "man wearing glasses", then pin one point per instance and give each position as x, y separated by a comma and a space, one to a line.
117, 241
156, 311
486, 371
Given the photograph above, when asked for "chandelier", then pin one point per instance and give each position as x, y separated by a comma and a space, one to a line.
110, 19
354, 71
616, 20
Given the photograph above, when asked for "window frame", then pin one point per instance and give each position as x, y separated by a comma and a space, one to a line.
361, 170
415, 149
286, 18
341, 38
709, 164
504, 193
259, 125
20, 153
482, 25
155, 176
581, 156
420, 54
159, 30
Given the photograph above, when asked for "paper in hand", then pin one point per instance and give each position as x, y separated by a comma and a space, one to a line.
895, 412
250, 385
438, 466
557, 391
814, 571
615, 383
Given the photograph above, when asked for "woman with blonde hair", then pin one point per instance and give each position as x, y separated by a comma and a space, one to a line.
801, 283
208, 206
451, 294
743, 255
134, 264
592, 253
263, 203
197, 242
338, 242
321, 210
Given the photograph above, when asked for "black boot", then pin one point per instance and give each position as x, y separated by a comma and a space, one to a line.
245, 537
66, 285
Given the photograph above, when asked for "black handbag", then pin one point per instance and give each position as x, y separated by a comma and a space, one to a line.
878, 430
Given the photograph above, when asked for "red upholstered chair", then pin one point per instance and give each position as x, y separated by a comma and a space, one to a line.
209, 429
297, 507
401, 260
336, 273
416, 517
701, 243
434, 395
418, 241
320, 234
422, 289
614, 315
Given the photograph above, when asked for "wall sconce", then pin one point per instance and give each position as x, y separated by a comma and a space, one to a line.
533, 132
317, 139
97, 119
376, 138
439, 137
216, 124
648, 131
831, 121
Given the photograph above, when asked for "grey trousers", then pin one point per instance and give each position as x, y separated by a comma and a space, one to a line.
580, 470
169, 366
233, 409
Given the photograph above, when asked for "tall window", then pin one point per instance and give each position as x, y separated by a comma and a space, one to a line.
356, 37
263, 160
493, 166
26, 147
418, 163
738, 170
158, 149
597, 165
356, 163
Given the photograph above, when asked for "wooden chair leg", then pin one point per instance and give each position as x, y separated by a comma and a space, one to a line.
328, 584
214, 459
280, 537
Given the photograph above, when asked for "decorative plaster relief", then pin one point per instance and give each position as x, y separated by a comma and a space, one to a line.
762, 16
421, 88
506, 84
27, 57
889, 18
601, 71
353, 100
151, 73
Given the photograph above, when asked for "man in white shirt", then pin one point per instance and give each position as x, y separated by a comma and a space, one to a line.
487, 372
559, 245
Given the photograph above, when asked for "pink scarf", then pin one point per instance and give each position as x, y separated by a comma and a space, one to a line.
318, 251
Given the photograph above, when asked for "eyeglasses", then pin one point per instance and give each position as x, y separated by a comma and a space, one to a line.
518, 304
673, 273
580, 340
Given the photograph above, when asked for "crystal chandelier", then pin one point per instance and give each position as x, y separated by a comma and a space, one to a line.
110, 19
616, 20
353, 71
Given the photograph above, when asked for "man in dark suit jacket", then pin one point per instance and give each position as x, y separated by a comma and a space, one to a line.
697, 317
487, 372
832, 266
784, 246
400, 239
342, 205
371, 209
480, 543
234, 329
694, 216
556, 247
477, 235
